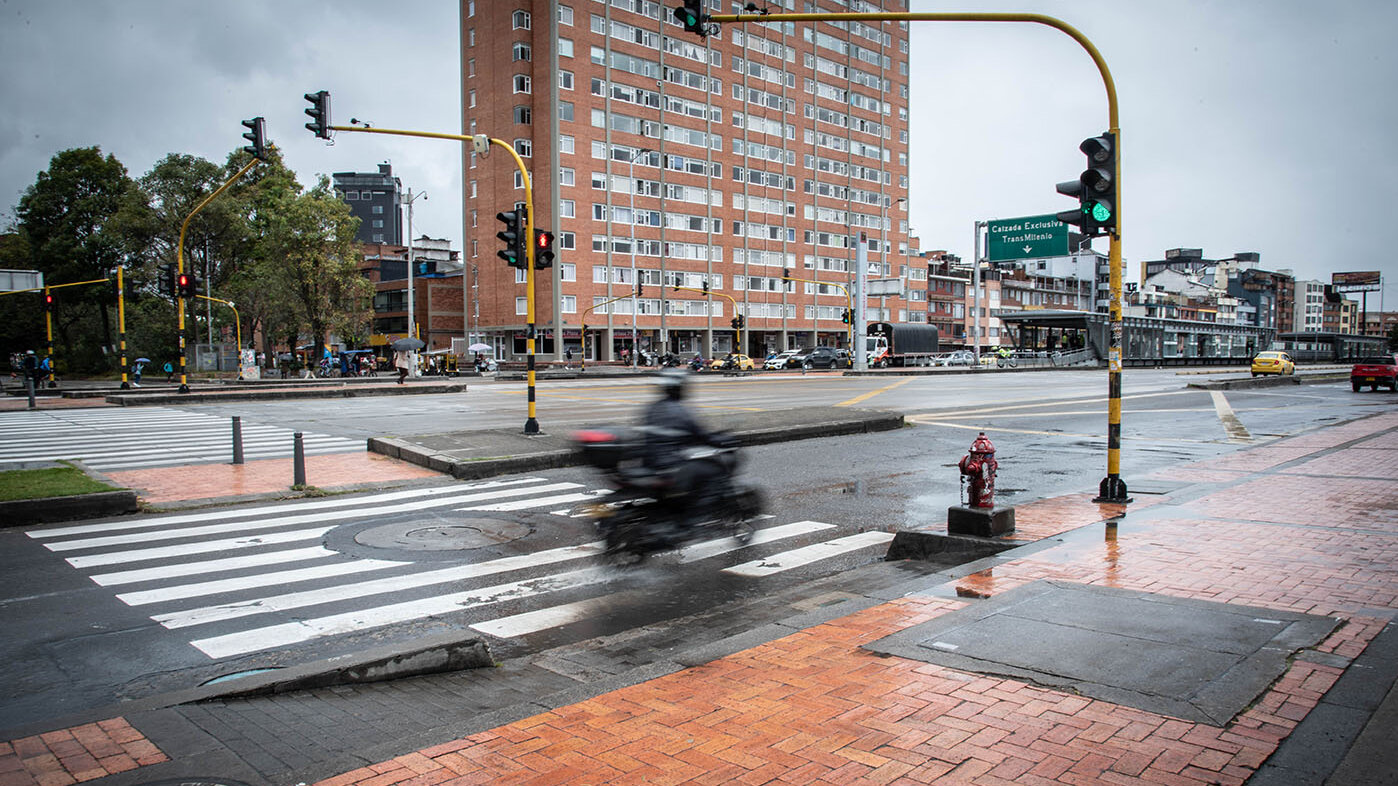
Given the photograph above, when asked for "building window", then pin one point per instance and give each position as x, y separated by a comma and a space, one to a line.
568, 240
471, 8
523, 115
351, 196
565, 110
567, 208
473, 218
569, 304
523, 84
378, 210
565, 80
521, 20
566, 176
522, 51
378, 223
521, 305
524, 147
470, 98
565, 143
366, 195
565, 15
471, 37
565, 47
568, 272
471, 67
377, 239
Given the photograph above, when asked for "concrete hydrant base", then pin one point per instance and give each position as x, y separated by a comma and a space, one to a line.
984, 522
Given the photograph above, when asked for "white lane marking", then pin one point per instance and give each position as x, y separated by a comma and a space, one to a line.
204, 547
183, 591
533, 503
1237, 432
304, 630
245, 526
297, 507
296, 600
808, 554
713, 548
212, 566
542, 619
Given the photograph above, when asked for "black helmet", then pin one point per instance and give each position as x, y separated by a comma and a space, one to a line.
672, 382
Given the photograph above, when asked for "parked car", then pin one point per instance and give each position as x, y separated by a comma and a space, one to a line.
781, 360
739, 363
961, 357
1374, 371
1278, 363
826, 357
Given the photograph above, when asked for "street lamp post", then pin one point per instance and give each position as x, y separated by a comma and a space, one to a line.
412, 263
635, 302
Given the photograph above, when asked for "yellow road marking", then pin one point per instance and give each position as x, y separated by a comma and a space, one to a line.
872, 393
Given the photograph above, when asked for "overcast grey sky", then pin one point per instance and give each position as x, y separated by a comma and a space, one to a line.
1247, 125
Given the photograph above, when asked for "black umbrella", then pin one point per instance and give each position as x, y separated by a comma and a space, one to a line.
408, 344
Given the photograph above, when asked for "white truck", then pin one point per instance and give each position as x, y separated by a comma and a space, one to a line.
900, 344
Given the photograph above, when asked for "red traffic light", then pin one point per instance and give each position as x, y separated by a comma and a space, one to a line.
48, 299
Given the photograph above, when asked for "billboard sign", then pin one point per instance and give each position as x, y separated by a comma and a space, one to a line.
1030, 237
1361, 281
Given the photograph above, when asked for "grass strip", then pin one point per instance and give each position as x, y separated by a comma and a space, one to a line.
50, 482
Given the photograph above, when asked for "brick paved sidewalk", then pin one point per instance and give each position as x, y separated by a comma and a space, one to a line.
1306, 525
336, 471
814, 708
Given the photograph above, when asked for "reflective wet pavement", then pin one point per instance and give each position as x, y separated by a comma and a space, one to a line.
1304, 526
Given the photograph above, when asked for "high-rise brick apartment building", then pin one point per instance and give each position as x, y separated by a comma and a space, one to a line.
662, 159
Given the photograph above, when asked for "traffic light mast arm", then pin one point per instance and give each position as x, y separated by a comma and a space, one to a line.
719, 294
237, 321
849, 300
57, 286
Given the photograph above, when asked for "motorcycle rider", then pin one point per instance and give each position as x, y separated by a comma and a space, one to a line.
670, 429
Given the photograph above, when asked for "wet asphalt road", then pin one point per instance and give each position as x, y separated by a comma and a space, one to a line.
77, 646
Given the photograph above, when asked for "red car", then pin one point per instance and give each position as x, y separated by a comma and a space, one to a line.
1374, 371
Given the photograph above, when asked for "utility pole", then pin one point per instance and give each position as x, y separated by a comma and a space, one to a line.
412, 264
861, 286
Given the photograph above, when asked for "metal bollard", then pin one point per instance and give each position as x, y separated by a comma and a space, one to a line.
298, 460
237, 440
29, 386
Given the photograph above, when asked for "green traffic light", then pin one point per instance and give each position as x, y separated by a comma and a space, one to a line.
1101, 213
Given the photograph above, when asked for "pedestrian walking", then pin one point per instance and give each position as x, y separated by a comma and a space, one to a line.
136, 369
567, 357
169, 369
402, 360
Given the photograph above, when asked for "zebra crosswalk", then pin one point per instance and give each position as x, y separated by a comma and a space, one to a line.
110, 440
242, 581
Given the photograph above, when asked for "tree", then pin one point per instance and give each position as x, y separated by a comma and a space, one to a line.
309, 238
65, 222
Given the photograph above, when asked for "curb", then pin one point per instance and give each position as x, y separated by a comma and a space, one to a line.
1266, 382
46, 510
555, 458
137, 399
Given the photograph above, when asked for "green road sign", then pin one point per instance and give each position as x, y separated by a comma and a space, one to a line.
1030, 237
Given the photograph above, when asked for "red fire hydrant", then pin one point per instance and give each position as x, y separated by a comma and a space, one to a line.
979, 465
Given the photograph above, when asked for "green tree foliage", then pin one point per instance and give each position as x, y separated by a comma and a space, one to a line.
65, 223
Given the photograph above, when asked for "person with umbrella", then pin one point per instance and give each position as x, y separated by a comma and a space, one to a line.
403, 357
136, 368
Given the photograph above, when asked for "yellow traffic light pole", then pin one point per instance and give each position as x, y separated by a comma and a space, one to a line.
1113, 488
582, 364
48, 318
531, 424
726, 297
179, 261
237, 326
849, 303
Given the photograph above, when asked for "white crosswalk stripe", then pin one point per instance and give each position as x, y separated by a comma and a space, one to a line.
109, 440
246, 580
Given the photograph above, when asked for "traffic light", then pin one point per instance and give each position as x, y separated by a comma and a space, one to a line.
257, 135
1095, 188
736, 322
320, 113
186, 285
167, 280
543, 249
706, 287
742, 321
786, 272
844, 317
1099, 181
691, 15
48, 298
514, 252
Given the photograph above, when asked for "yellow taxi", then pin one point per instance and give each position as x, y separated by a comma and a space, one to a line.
738, 363
1278, 363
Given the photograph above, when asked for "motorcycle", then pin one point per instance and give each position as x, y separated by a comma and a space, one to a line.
697, 364
639, 517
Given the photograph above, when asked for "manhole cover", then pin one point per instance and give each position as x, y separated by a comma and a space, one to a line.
470, 533
1197, 660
